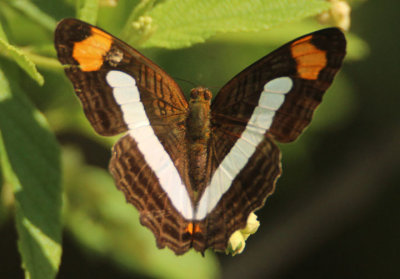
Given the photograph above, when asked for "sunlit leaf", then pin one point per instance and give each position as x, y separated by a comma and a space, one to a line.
31, 164
33, 12
20, 58
88, 10
179, 23
3, 34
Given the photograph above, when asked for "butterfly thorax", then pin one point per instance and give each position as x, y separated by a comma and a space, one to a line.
198, 135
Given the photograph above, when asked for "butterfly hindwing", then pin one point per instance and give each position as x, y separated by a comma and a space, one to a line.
141, 187
243, 195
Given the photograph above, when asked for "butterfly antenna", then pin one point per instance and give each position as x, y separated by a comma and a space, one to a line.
213, 88
187, 81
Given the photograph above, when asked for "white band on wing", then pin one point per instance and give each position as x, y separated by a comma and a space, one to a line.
270, 101
126, 94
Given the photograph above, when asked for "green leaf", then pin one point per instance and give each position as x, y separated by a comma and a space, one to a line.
337, 108
2, 183
31, 164
179, 23
20, 58
88, 10
357, 48
33, 12
2, 33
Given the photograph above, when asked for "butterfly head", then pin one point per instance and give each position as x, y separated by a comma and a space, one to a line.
200, 95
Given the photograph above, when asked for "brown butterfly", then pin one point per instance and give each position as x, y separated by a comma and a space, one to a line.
196, 169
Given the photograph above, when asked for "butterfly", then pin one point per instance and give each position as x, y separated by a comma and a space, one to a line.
195, 169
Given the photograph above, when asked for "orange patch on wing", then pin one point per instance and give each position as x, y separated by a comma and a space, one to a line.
310, 60
189, 228
90, 52
197, 228
302, 40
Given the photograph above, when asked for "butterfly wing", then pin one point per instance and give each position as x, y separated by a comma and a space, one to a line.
273, 99
123, 91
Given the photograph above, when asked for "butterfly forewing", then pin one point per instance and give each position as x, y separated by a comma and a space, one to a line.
90, 55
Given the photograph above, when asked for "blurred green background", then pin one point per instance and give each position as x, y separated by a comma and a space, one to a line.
335, 212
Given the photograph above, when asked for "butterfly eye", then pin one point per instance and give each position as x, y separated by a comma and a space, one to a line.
207, 95
194, 93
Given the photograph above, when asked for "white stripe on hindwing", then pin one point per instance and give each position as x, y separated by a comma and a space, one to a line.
126, 95
270, 101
